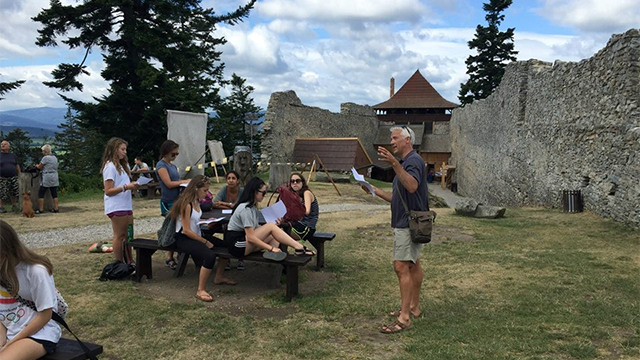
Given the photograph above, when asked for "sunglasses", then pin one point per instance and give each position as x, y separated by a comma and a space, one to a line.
263, 192
296, 181
175, 154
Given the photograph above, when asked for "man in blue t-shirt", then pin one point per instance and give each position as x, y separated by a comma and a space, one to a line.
9, 171
410, 183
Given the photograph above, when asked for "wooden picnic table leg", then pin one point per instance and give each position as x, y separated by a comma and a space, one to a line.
143, 263
183, 259
319, 245
292, 282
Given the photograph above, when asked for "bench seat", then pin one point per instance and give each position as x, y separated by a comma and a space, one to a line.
145, 248
318, 240
69, 349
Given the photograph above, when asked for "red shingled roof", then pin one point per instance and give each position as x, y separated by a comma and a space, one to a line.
416, 93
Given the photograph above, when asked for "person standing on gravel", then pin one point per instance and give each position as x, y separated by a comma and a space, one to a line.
410, 184
9, 172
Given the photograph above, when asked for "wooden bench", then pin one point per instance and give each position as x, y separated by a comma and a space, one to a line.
68, 349
145, 249
151, 189
318, 240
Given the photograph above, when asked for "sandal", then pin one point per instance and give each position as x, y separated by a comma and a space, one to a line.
305, 251
171, 264
206, 298
397, 314
395, 327
275, 256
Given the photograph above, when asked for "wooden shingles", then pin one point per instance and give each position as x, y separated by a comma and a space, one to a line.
337, 154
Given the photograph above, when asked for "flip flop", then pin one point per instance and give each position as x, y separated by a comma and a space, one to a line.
275, 256
225, 282
395, 327
202, 298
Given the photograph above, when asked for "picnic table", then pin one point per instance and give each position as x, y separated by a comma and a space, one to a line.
149, 188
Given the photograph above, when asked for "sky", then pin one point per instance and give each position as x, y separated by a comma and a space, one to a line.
335, 51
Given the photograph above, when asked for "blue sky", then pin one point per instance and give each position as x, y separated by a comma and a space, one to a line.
336, 51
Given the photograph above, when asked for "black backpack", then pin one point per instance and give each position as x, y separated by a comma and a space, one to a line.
116, 270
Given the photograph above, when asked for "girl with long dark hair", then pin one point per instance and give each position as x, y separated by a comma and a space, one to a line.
305, 228
245, 235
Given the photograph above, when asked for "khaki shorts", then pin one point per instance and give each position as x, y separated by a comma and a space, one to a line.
403, 248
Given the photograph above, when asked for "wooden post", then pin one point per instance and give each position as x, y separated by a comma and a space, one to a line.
27, 183
442, 176
215, 170
329, 176
312, 171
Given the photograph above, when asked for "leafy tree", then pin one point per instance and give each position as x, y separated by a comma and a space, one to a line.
78, 150
159, 55
21, 146
5, 87
494, 48
235, 118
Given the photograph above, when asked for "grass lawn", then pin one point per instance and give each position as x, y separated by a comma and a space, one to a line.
537, 284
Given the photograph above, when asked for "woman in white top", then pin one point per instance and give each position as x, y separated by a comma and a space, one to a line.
25, 333
118, 205
190, 240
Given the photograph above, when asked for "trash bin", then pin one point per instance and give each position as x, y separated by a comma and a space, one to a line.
572, 201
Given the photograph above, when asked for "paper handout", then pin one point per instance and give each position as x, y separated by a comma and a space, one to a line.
143, 180
227, 211
274, 212
359, 178
184, 184
209, 221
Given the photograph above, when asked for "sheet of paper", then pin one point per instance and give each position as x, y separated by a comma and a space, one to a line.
274, 212
359, 178
143, 180
185, 184
209, 221
227, 211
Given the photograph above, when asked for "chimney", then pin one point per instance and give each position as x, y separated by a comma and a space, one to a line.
392, 86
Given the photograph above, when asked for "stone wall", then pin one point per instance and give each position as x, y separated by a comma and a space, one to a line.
287, 119
553, 127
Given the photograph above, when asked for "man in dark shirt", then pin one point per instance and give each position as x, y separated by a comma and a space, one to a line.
410, 183
9, 171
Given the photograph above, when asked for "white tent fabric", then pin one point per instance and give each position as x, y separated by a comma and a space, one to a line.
189, 131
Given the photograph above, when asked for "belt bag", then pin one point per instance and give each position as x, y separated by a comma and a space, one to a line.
420, 225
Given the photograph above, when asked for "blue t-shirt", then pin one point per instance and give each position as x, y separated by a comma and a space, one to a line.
419, 200
8, 163
168, 195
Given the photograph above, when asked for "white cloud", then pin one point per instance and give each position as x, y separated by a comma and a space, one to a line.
593, 15
352, 11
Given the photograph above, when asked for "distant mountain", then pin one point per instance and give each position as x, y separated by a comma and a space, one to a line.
22, 122
45, 117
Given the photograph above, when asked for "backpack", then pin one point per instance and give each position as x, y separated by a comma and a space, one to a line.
293, 203
116, 270
166, 234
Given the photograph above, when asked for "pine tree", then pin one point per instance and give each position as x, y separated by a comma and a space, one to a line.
159, 55
76, 147
5, 87
21, 146
235, 120
494, 48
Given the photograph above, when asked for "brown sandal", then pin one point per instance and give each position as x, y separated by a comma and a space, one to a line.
395, 327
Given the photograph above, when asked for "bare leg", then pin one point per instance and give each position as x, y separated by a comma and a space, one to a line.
202, 282
278, 234
23, 349
119, 225
41, 204
416, 280
220, 278
403, 270
55, 204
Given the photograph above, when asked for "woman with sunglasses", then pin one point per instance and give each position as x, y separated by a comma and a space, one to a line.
187, 212
169, 180
245, 235
230, 193
305, 228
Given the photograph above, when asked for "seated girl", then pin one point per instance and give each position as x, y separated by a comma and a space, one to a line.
230, 193
244, 235
305, 228
186, 211
25, 333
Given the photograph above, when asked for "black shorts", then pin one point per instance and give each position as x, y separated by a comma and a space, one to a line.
303, 232
236, 243
49, 346
43, 190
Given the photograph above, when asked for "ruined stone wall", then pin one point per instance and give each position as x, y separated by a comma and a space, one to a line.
553, 127
287, 119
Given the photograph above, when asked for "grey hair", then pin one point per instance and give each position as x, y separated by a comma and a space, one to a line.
406, 132
46, 149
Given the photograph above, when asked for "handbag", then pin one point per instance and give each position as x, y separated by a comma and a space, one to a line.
420, 223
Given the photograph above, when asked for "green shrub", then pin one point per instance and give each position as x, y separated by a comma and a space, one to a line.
73, 183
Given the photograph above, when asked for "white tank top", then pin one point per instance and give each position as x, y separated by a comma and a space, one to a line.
193, 221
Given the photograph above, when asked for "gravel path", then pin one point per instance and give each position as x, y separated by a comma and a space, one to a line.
103, 232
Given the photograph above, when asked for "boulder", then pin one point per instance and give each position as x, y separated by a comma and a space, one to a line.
489, 212
466, 206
